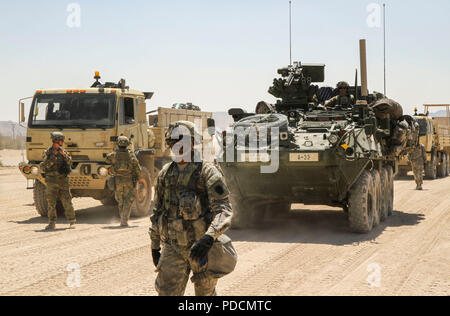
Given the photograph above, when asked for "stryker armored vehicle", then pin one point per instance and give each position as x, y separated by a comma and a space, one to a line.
92, 119
298, 151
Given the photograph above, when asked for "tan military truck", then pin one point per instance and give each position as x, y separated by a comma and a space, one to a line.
435, 136
91, 120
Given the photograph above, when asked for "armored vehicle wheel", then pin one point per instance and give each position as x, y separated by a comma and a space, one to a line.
264, 120
385, 194
144, 194
362, 204
441, 168
376, 180
390, 195
109, 201
430, 170
40, 200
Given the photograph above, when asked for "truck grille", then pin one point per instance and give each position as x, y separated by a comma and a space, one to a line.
79, 182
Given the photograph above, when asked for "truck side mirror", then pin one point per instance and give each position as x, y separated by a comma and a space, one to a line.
22, 112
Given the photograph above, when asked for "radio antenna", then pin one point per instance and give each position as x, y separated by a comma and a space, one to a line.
384, 44
290, 32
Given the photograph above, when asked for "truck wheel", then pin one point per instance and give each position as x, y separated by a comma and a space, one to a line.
376, 180
362, 204
385, 194
144, 194
430, 170
40, 200
441, 167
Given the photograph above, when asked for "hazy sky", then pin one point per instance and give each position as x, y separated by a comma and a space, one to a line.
219, 53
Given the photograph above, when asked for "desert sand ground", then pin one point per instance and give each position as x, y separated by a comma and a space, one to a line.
311, 252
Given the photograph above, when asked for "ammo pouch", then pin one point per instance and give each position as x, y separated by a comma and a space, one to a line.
222, 258
64, 169
111, 184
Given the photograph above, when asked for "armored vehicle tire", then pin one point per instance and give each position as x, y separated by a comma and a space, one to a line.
362, 204
40, 200
376, 180
430, 170
390, 194
144, 195
385, 194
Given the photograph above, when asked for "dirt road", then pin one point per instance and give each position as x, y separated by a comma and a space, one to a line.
309, 253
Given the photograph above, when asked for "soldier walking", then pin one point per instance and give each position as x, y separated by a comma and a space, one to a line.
418, 158
56, 168
192, 211
126, 172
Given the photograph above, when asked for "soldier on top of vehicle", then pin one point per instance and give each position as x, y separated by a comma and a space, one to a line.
343, 99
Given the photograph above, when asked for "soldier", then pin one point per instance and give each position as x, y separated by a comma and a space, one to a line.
126, 172
56, 168
192, 210
343, 99
418, 158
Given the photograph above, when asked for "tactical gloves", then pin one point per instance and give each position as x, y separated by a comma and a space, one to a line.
156, 254
200, 249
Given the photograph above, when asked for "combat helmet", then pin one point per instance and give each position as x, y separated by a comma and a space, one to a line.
342, 84
179, 128
57, 136
123, 141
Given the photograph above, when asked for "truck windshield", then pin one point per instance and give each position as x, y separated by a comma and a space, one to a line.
73, 111
422, 127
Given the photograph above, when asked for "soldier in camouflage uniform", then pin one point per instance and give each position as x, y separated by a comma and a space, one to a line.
56, 168
343, 99
126, 172
418, 158
192, 210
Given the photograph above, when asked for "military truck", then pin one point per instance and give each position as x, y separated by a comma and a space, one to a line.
341, 157
435, 136
91, 120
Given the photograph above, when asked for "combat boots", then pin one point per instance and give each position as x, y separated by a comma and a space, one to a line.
51, 226
419, 188
72, 225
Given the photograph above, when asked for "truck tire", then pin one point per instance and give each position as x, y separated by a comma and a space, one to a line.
440, 170
362, 204
447, 165
385, 193
40, 200
430, 170
144, 194
376, 180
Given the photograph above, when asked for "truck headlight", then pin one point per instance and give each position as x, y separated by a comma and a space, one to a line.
34, 171
102, 171
26, 170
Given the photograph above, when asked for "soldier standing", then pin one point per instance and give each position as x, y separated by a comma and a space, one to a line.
192, 210
126, 172
56, 168
418, 158
343, 99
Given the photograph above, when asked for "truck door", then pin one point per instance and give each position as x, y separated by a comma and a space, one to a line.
128, 120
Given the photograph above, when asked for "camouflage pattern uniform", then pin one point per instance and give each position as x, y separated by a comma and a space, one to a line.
57, 183
126, 171
192, 201
418, 158
346, 101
